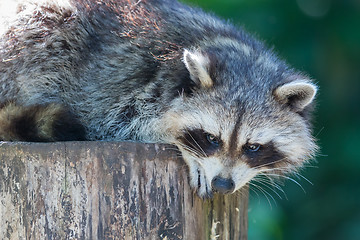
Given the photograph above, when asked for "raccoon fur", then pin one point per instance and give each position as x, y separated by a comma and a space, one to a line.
153, 71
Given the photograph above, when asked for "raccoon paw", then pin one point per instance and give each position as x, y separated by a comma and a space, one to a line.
39, 123
198, 181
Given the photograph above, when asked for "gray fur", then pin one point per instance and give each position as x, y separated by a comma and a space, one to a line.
152, 70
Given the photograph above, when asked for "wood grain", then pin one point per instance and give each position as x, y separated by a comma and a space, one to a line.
108, 190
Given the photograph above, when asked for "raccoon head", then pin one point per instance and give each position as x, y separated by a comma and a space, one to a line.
233, 127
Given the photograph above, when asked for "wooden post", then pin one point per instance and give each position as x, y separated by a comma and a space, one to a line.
108, 190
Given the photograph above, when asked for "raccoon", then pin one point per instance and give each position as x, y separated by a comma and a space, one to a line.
154, 71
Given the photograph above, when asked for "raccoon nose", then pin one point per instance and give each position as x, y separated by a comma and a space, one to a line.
223, 185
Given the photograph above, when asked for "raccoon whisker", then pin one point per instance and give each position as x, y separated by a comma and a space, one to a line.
191, 150
192, 145
266, 164
202, 152
278, 169
274, 172
300, 176
297, 174
309, 166
282, 169
322, 155
173, 149
319, 131
273, 181
278, 188
266, 193
288, 178
269, 194
266, 179
197, 144
271, 185
255, 188
252, 190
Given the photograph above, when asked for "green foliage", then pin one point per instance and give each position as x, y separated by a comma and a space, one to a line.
322, 38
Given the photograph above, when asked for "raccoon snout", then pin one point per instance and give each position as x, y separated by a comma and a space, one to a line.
222, 185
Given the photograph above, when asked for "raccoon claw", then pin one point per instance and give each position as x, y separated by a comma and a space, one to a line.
204, 194
203, 190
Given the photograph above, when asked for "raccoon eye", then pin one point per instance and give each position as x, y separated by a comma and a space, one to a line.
199, 142
212, 139
252, 147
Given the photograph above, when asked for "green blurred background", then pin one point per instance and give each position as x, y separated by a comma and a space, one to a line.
322, 38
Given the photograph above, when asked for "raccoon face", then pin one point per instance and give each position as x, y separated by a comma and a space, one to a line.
227, 135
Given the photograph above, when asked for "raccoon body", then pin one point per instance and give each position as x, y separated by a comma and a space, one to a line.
153, 71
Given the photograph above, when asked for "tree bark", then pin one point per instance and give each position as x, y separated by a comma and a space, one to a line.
108, 190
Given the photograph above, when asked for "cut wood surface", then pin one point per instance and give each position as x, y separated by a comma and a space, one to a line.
108, 190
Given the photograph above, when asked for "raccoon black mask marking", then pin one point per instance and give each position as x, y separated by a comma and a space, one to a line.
153, 71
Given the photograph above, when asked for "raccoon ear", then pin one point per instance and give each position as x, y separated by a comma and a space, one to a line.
297, 94
197, 64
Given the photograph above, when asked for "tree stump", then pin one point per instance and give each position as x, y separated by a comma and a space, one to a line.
108, 190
